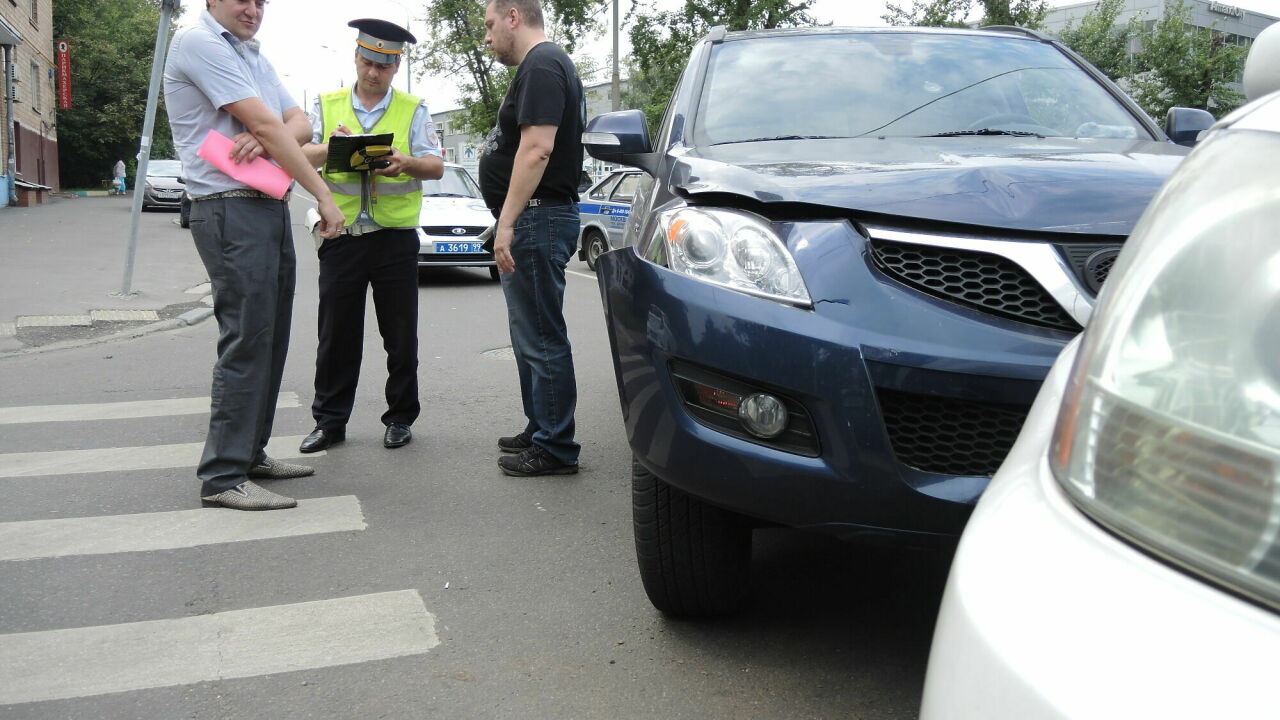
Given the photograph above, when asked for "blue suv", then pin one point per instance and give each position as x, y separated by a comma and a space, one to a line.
851, 260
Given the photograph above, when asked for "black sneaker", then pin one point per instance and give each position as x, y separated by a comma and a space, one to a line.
534, 461
516, 444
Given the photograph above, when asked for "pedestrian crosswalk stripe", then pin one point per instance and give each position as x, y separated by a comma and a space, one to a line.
78, 662
118, 410
147, 457
34, 539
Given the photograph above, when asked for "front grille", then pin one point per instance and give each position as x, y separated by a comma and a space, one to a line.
948, 435
453, 258
1092, 262
448, 230
985, 281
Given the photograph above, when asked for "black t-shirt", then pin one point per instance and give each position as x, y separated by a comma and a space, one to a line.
545, 91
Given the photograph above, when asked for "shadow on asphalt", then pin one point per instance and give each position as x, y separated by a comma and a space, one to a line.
856, 611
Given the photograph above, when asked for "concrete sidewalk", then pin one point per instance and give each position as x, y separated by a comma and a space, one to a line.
62, 269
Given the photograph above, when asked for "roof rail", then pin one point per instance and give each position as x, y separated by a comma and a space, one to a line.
717, 33
1019, 30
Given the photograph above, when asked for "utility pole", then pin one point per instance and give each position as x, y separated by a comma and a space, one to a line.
617, 79
167, 7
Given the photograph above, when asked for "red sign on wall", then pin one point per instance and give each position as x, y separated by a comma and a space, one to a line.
64, 75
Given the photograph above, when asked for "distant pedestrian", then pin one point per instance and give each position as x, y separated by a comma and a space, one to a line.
379, 245
216, 79
529, 170
118, 175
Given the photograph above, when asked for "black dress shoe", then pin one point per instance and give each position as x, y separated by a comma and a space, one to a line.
321, 438
397, 434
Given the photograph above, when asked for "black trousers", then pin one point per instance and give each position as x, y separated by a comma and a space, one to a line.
246, 245
349, 265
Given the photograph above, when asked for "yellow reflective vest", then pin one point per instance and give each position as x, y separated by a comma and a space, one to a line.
395, 201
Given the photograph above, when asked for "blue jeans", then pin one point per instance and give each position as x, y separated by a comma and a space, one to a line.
545, 238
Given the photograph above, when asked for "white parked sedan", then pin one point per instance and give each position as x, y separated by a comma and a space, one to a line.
452, 218
1125, 560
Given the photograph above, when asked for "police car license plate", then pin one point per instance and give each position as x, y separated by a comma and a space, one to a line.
459, 247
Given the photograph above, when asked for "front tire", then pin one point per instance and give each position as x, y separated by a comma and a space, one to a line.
493, 274
695, 558
596, 246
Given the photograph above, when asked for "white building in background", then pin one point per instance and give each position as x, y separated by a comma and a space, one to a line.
1239, 25
464, 149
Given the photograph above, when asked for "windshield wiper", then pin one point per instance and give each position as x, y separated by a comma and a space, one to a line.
985, 131
446, 194
783, 137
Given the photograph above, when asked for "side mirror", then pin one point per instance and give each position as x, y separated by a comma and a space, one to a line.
621, 138
1184, 125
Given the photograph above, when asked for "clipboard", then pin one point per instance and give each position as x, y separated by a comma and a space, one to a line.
341, 148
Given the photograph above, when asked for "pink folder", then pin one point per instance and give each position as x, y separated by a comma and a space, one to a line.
258, 173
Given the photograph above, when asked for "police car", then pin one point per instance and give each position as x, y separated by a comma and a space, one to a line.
453, 216
604, 212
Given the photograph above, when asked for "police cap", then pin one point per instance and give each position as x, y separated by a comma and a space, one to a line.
381, 41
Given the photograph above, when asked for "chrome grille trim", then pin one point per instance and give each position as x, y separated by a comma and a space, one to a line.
1039, 259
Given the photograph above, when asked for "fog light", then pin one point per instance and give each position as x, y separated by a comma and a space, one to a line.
763, 415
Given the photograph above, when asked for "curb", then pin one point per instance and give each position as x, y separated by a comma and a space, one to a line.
187, 319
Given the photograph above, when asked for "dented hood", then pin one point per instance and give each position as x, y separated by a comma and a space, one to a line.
1030, 184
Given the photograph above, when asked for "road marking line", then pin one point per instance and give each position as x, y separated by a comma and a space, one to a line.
119, 410
200, 289
54, 321
147, 457
35, 539
78, 662
581, 274
123, 315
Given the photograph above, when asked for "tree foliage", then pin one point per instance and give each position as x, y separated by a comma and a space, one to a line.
1100, 40
111, 50
456, 49
955, 13
662, 39
1182, 65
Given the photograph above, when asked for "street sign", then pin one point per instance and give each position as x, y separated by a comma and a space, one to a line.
64, 75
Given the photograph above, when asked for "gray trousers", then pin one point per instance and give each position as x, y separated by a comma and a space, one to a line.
246, 245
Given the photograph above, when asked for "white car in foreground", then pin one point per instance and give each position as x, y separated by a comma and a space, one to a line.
452, 218
1125, 560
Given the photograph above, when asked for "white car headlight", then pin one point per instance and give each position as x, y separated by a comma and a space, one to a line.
1169, 434
734, 249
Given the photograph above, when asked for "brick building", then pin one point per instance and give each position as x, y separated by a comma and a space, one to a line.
28, 133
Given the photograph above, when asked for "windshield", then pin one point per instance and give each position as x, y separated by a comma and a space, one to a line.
901, 84
454, 183
164, 168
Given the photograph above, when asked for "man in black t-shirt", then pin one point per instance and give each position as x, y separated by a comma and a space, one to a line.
529, 168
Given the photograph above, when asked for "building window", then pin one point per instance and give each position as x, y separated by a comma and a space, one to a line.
35, 12
35, 86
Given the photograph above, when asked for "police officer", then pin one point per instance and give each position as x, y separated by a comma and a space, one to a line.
379, 244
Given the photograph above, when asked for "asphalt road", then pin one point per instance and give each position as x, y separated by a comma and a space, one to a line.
450, 591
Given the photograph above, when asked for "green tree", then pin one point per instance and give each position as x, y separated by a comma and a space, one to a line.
111, 47
456, 49
955, 13
662, 39
1182, 65
1098, 39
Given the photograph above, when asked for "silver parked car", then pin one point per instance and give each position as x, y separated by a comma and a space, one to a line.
164, 186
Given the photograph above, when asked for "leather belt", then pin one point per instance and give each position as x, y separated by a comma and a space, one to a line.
244, 193
543, 202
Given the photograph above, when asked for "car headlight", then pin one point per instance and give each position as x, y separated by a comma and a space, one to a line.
1169, 434
731, 248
